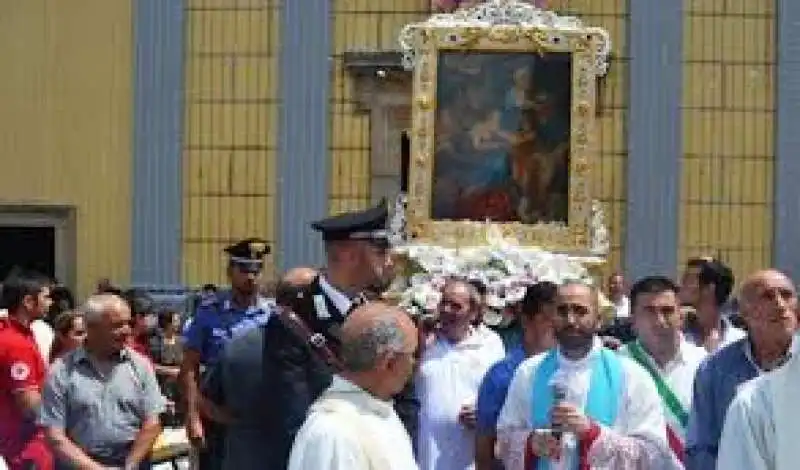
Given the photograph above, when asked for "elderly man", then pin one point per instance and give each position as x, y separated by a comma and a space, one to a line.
448, 380
352, 425
763, 422
768, 305
663, 352
581, 405
101, 402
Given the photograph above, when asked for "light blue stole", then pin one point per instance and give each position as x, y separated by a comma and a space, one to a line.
605, 388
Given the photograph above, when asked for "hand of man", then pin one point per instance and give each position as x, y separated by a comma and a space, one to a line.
194, 432
468, 417
570, 418
544, 445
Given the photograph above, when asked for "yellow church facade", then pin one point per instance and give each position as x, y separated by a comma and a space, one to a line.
153, 133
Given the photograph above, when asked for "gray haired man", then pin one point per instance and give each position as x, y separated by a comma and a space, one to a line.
101, 402
353, 424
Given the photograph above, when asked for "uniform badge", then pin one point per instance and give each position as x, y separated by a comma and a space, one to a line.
20, 371
257, 249
321, 308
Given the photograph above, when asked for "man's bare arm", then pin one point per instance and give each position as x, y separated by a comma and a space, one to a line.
188, 379
28, 401
143, 444
67, 451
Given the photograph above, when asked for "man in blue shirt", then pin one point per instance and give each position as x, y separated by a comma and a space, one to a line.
537, 311
220, 318
768, 305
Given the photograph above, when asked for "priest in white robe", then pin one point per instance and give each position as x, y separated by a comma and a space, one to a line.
353, 425
580, 406
763, 421
448, 380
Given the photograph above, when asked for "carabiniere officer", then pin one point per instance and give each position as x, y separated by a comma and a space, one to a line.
219, 319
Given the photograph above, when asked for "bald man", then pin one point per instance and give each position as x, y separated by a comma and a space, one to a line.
763, 422
768, 306
353, 425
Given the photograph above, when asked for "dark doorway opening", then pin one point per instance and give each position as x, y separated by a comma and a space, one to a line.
27, 248
405, 160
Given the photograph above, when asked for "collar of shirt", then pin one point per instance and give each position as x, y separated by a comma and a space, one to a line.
582, 363
347, 390
261, 303
339, 299
683, 357
747, 347
474, 340
14, 324
81, 354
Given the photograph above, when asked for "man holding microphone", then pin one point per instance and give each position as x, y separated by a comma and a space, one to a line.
580, 402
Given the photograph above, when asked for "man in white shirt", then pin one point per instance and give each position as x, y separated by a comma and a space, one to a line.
706, 285
662, 351
448, 380
581, 405
353, 425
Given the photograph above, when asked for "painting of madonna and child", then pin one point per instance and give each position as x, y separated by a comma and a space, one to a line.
502, 136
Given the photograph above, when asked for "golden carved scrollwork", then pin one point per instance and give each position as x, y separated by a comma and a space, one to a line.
538, 32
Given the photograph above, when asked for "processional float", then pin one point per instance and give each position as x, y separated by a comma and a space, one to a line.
503, 144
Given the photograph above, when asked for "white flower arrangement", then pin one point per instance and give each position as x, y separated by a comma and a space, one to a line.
504, 267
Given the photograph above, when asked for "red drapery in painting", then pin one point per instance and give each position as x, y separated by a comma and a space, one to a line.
446, 6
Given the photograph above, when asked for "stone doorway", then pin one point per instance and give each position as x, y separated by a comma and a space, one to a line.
383, 90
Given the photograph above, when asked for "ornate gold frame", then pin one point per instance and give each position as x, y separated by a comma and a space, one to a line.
504, 26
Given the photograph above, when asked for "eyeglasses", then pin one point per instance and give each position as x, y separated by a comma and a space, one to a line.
563, 310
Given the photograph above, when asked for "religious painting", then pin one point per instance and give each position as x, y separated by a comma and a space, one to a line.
502, 130
501, 137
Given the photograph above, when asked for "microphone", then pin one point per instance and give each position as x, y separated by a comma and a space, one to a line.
559, 395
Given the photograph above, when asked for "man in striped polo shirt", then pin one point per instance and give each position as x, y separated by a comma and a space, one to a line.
662, 351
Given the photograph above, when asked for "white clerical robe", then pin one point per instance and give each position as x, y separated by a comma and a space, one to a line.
349, 429
763, 422
636, 440
449, 377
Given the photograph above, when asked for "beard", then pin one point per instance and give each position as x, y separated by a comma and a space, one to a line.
574, 340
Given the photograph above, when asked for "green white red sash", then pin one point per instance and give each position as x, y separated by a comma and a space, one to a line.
675, 413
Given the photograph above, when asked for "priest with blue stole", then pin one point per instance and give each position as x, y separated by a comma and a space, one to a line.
581, 406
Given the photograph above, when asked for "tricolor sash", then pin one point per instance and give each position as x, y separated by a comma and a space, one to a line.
605, 390
677, 416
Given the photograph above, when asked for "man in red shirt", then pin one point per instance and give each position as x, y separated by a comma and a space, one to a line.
22, 374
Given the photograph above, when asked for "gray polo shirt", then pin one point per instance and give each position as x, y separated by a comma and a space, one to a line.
101, 412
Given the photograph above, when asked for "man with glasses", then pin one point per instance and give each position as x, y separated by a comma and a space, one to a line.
580, 405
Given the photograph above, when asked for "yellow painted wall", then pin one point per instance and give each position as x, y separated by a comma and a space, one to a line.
231, 131
65, 121
728, 101
367, 25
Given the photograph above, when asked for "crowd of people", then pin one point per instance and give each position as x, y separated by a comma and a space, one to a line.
325, 374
